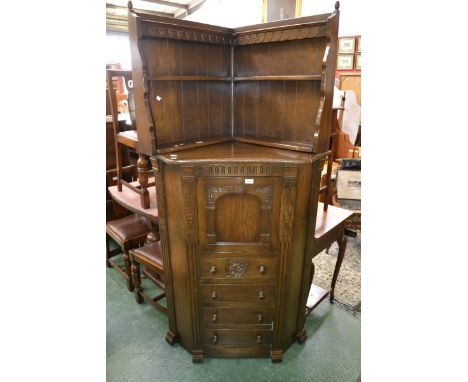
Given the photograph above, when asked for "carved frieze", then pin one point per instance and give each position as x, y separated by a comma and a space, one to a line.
179, 33
281, 35
236, 170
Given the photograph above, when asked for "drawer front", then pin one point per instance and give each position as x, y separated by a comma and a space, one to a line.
234, 316
238, 268
252, 293
237, 337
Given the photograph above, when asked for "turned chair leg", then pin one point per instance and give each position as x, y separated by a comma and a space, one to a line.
142, 165
136, 276
126, 259
341, 251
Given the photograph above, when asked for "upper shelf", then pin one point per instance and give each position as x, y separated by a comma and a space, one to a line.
309, 77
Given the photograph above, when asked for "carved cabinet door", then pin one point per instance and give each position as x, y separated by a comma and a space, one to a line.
238, 213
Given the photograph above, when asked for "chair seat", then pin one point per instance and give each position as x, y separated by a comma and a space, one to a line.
128, 138
327, 220
132, 227
150, 254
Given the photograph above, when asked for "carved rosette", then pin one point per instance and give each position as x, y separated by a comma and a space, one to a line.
237, 268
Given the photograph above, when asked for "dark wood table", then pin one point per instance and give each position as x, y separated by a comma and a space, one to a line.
130, 200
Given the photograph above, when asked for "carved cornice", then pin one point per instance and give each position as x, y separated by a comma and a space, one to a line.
187, 34
281, 35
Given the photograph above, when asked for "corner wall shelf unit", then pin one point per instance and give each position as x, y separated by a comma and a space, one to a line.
237, 123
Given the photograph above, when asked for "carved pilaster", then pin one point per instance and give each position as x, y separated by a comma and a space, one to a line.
158, 167
288, 202
189, 192
317, 167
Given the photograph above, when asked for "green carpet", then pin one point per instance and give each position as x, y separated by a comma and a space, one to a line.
137, 351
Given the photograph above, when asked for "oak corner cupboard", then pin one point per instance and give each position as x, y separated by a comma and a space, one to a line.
237, 124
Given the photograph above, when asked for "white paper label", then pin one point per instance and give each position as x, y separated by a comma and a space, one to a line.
249, 181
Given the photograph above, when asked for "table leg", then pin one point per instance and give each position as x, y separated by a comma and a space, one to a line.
153, 235
142, 165
341, 251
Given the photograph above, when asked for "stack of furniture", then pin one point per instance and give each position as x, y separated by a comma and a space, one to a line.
237, 125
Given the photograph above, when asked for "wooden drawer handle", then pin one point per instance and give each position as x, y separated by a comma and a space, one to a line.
214, 295
215, 339
259, 340
262, 269
213, 269
261, 295
259, 318
215, 318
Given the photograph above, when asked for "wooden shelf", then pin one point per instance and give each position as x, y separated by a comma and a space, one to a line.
189, 78
309, 77
313, 77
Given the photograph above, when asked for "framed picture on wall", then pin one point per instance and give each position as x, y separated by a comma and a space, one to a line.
346, 45
345, 62
358, 61
359, 44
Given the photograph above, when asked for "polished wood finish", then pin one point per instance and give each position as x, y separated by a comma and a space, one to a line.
128, 232
237, 123
234, 288
149, 256
200, 84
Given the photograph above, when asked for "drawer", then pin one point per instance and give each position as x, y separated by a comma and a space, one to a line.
238, 268
229, 316
253, 293
237, 337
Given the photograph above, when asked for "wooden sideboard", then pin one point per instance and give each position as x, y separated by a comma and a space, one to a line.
237, 124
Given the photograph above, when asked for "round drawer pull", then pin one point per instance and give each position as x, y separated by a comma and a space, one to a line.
261, 295
215, 339
215, 318
259, 340
262, 269
213, 269
259, 318
214, 295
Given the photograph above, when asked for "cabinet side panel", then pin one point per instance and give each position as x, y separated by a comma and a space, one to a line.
295, 266
178, 255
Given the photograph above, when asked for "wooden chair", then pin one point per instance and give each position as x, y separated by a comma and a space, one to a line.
128, 138
128, 232
150, 256
330, 225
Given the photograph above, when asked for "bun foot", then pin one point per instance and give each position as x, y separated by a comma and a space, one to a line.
301, 336
170, 337
276, 355
197, 355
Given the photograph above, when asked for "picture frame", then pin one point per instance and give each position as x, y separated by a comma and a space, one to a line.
359, 44
346, 44
348, 184
358, 61
345, 62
